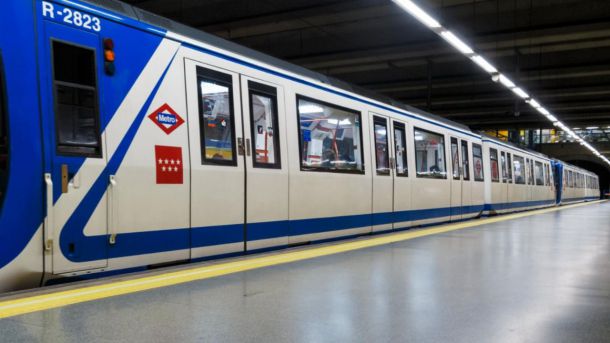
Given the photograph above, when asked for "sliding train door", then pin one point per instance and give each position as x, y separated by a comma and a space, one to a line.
383, 174
266, 164
456, 180
217, 152
77, 217
391, 184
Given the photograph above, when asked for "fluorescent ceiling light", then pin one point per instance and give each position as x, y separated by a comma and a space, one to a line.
418, 13
456, 42
506, 81
452, 39
484, 64
520, 92
534, 103
308, 109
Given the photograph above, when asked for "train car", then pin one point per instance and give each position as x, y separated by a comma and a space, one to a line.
130, 141
575, 184
519, 179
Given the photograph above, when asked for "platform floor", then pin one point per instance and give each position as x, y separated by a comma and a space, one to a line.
540, 278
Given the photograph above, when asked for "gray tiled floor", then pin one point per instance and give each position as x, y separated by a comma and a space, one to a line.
543, 278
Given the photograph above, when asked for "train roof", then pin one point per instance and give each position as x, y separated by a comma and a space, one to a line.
580, 169
512, 145
187, 31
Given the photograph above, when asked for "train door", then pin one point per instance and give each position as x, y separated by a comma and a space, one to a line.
217, 160
75, 149
402, 181
465, 171
266, 164
383, 178
456, 181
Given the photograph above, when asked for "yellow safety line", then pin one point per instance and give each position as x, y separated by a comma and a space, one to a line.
42, 302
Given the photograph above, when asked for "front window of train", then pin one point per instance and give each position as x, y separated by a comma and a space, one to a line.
3, 138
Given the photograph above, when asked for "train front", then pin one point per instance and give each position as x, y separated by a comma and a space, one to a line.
21, 169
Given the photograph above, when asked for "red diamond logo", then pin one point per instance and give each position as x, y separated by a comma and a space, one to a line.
166, 119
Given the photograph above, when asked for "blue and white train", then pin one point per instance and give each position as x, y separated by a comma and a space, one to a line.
129, 141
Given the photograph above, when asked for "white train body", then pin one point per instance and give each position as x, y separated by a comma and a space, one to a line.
186, 147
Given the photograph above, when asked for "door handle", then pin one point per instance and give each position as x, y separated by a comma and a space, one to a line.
48, 227
247, 147
240, 146
64, 178
111, 211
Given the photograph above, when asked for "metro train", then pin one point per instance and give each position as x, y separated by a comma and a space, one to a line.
129, 141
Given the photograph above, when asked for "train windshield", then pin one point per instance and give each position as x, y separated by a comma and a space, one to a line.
3, 138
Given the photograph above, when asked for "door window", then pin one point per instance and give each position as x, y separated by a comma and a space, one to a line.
264, 127
503, 166
509, 167
216, 118
465, 161
539, 173
382, 157
400, 140
430, 154
330, 137
455, 159
4, 151
76, 100
520, 167
495, 173
477, 157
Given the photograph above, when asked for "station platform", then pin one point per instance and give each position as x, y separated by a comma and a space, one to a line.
539, 276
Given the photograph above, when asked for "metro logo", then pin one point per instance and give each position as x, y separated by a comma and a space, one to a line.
166, 119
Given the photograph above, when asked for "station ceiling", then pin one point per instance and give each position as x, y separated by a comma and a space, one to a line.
558, 50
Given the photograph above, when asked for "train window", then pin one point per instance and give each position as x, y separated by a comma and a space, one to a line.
531, 165
264, 127
495, 172
330, 137
509, 167
455, 159
430, 154
4, 151
382, 157
503, 166
529, 176
477, 160
465, 161
547, 176
539, 173
76, 100
519, 168
216, 119
400, 140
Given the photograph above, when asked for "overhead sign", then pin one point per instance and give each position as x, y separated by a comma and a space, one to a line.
166, 119
169, 165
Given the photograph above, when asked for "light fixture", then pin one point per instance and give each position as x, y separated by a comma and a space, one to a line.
456, 42
481, 62
533, 103
520, 92
506, 82
418, 13
426, 19
309, 109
